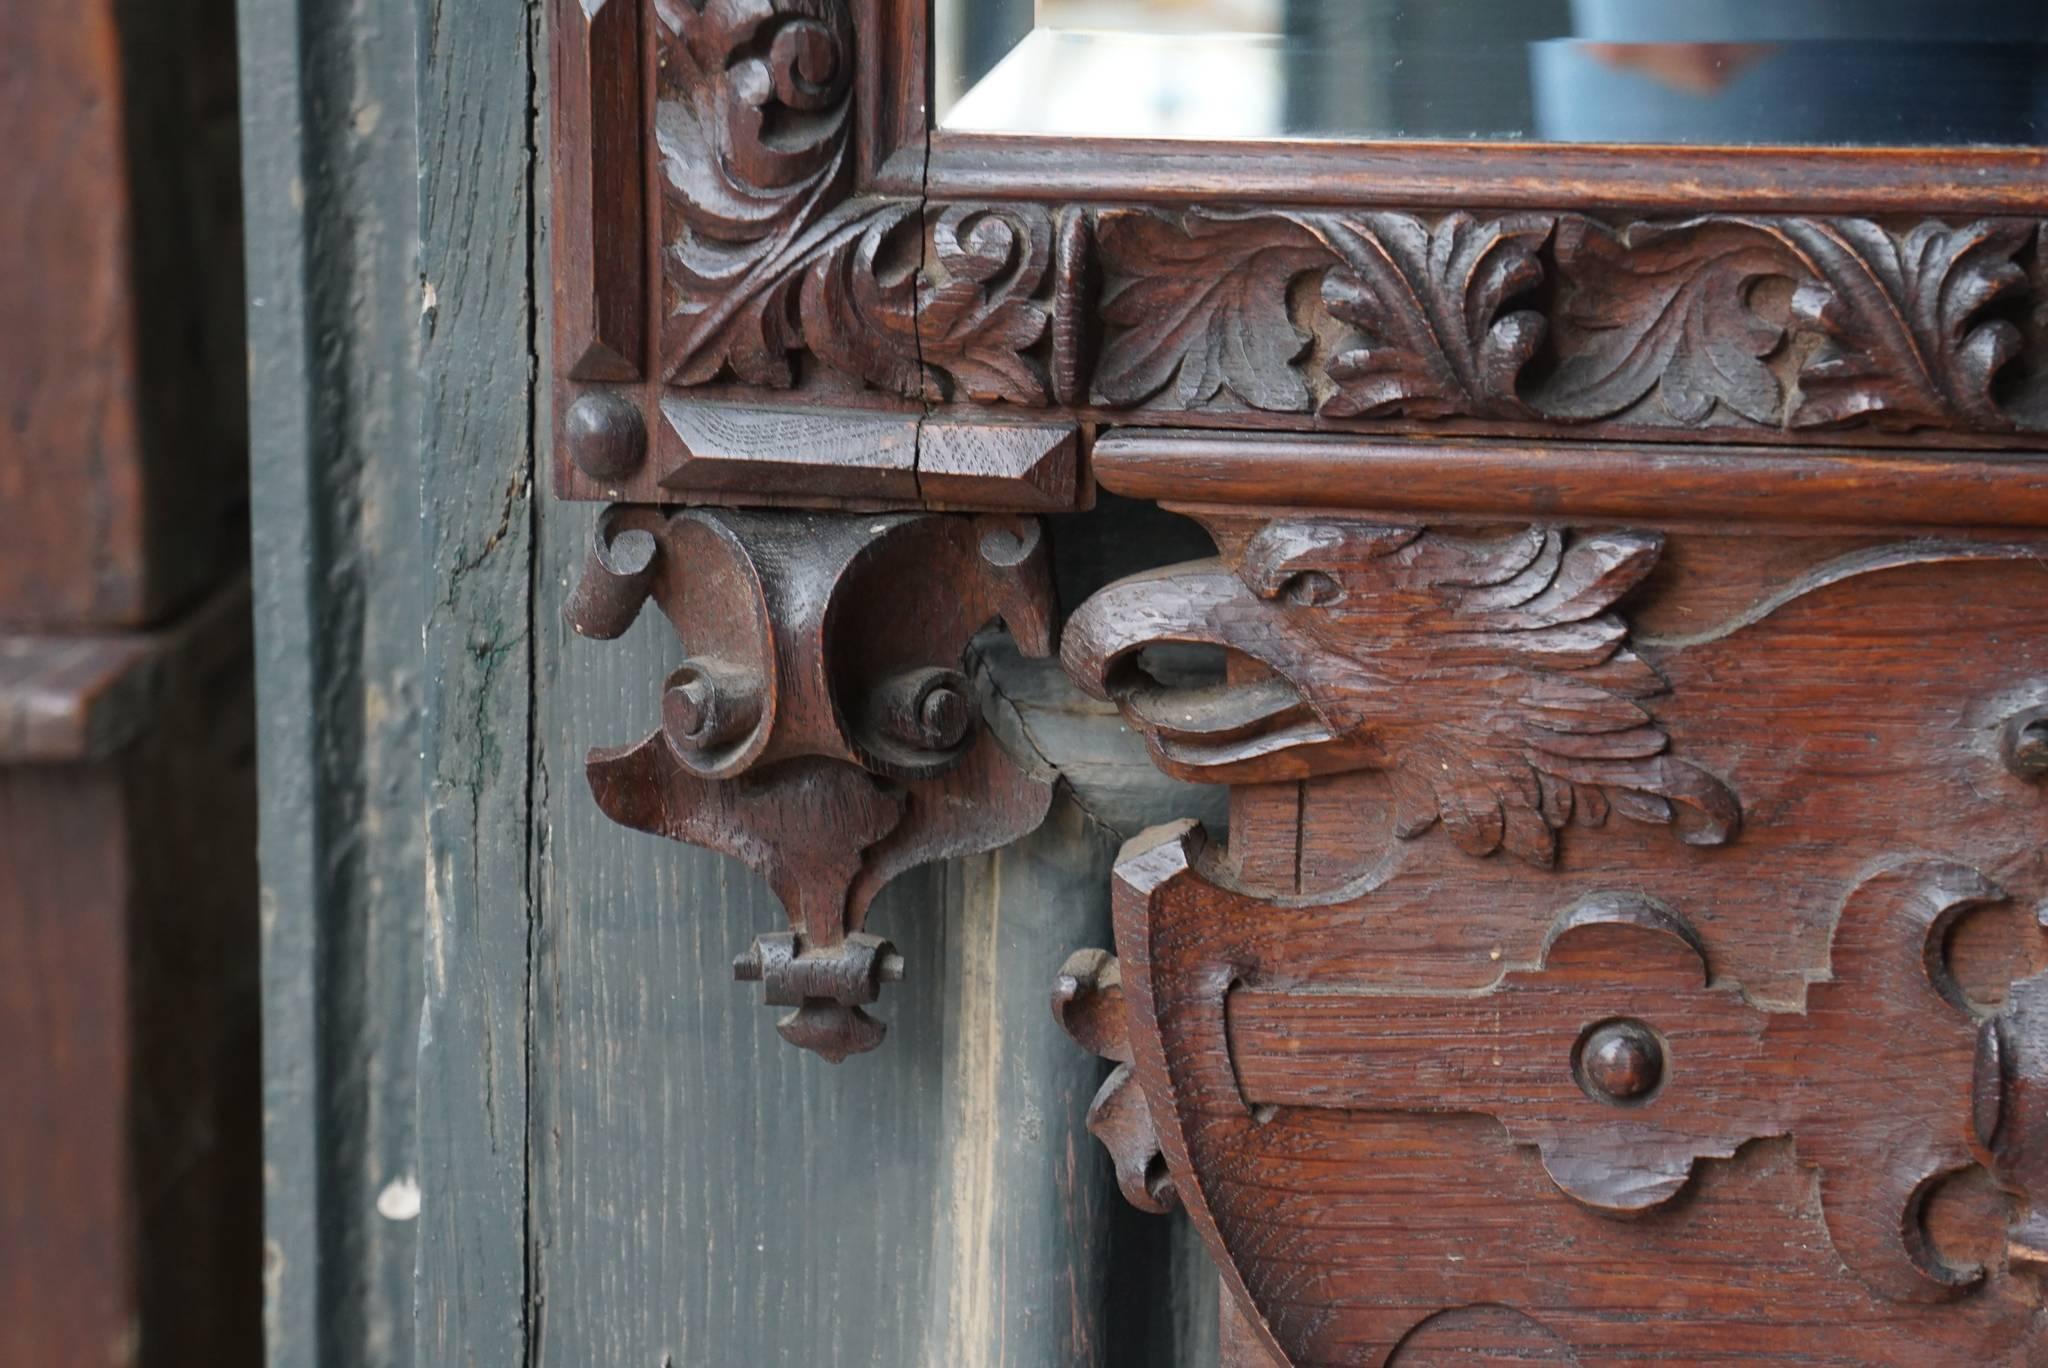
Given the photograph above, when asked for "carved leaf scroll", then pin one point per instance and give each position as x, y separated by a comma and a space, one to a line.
1431, 305
1197, 305
978, 322
752, 127
1909, 338
766, 256
1489, 677
1665, 308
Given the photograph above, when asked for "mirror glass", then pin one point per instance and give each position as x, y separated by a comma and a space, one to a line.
1868, 72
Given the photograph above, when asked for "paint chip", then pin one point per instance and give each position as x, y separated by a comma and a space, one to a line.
400, 1199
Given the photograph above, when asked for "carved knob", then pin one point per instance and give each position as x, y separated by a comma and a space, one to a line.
707, 704
1620, 1061
2026, 744
925, 709
606, 436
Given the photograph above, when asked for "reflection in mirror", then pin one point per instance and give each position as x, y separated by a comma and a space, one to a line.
1821, 72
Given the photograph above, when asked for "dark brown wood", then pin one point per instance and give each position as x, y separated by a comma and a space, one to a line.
1959, 180
793, 259
821, 728
1689, 1034
599, 184
1629, 684
121, 484
1856, 488
74, 698
1088, 1003
127, 936
704, 450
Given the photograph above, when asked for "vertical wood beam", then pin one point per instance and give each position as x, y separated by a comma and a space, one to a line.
477, 145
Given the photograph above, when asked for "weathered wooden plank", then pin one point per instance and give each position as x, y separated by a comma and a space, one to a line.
331, 185
477, 128
1020, 1240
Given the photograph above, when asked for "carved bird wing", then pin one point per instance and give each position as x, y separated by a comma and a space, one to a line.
1487, 675
1494, 672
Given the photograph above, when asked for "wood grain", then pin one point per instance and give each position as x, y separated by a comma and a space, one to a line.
473, 1294
1850, 488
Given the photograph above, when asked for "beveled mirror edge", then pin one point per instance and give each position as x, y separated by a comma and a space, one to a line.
906, 155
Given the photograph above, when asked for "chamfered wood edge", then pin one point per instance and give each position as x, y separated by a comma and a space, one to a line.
1584, 176
67, 699
1662, 483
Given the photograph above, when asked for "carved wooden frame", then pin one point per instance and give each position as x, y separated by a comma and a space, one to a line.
961, 283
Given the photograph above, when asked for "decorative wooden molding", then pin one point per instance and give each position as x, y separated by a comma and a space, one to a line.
600, 222
727, 204
1488, 677
823, 728
1718, 323
1723, 327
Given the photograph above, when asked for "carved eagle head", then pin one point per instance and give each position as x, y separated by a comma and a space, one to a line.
1487, 675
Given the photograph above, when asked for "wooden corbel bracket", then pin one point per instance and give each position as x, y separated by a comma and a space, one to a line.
823, 727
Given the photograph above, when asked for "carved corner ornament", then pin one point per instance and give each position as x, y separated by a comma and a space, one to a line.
823, 727
1489, 677
770, 253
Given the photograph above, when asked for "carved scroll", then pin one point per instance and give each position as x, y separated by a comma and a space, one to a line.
1088, 1003
767, 258
1489, 677
822, 727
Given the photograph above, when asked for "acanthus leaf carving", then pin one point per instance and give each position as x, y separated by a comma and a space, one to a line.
1430, 303
860, 309
1489, 678
1909, 337
966, 326
1665, 307
1197, 305
752, 127
979, 324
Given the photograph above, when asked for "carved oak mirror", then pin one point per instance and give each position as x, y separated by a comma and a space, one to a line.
1618, 432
